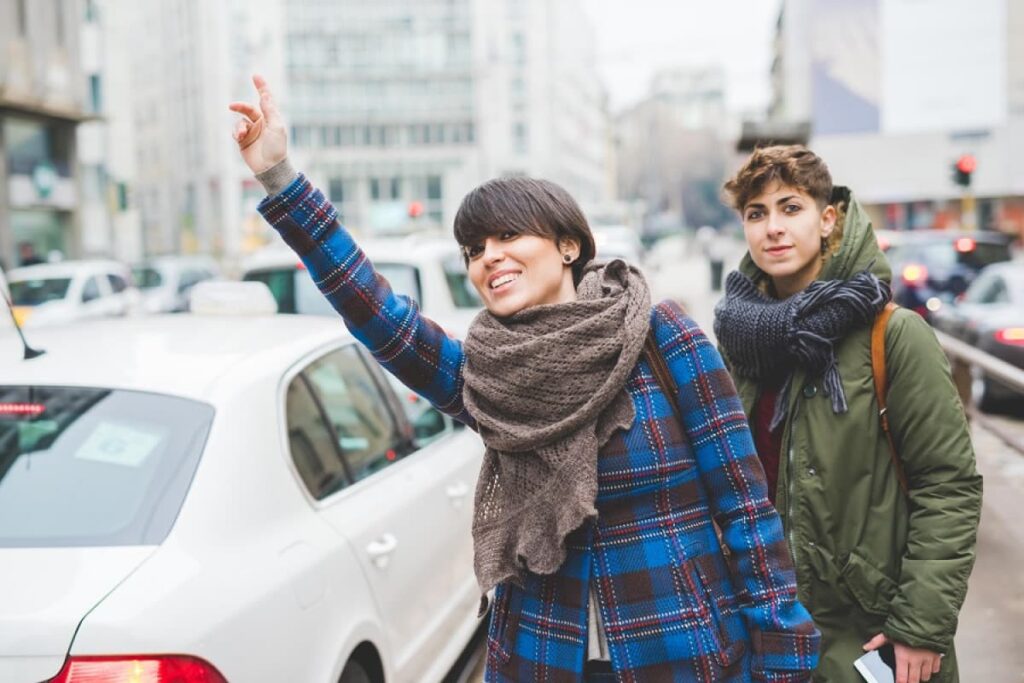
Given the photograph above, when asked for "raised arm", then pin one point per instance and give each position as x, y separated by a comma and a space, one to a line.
785, 639
409, 345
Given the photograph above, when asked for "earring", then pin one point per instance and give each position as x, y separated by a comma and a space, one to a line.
824, 246
567, 258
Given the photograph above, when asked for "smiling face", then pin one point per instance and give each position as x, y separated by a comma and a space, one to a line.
785, 228
513, 271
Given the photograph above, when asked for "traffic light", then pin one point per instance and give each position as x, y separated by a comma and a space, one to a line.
963, 168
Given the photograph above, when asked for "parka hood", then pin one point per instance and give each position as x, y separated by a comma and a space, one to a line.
857, 249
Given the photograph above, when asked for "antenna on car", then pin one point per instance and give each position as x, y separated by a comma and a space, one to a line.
30, 353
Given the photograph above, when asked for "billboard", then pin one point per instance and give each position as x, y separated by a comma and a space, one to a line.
945, 64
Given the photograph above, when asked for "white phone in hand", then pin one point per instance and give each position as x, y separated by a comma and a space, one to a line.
877, 666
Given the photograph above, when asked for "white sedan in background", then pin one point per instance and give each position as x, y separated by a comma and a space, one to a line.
430, 270
55, 293
237, 497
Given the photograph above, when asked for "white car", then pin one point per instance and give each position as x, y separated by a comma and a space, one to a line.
431, 270
55, 293
243, 495
165, 281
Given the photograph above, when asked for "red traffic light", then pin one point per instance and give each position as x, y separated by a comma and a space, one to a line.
415, 209
966, 163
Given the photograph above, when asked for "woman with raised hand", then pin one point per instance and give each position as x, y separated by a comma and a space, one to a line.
615, 441
874, 475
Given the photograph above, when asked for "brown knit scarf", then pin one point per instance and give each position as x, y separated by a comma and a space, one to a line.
547, 389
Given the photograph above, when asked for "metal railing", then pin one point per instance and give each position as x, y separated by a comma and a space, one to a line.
962, 358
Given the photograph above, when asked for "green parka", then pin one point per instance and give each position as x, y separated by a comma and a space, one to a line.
868, 558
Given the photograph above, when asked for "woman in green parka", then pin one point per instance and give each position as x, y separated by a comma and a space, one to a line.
876, 565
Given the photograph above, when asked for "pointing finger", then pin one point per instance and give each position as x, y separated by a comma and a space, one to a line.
267, 104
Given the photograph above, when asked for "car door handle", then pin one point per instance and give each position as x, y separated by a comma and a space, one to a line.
457, 491
380, 550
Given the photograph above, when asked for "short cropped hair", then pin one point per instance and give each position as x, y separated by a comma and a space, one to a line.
526, 206
792, 165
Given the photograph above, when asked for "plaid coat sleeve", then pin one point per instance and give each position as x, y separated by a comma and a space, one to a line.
784, 637
409, 345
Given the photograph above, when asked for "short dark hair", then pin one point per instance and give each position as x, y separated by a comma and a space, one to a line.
792, 165
526, 206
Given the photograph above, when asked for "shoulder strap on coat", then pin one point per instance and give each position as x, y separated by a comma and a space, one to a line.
662, 374
878, 370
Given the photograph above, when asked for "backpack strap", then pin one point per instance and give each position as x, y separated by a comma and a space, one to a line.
878, 370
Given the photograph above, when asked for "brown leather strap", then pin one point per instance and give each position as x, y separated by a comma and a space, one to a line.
662, 375
878, 370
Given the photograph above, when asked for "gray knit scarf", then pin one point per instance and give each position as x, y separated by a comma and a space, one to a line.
766, 339
547, 389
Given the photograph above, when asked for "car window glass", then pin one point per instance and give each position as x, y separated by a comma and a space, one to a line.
429, 424
35, 292
317, 458
147, 278
356, 410
403, 278
464, 295
997, 293
117, 283
91, 290
86, 466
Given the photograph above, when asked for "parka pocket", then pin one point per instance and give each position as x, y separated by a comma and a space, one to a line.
870, 587
728, 650
504, 623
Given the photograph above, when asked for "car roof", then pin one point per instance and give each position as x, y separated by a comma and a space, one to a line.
67, 269
414, 249
906, 236
184, 355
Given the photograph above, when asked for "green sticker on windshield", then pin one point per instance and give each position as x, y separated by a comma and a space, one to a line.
118, 444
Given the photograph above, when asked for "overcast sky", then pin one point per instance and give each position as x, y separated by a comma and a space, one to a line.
636, 37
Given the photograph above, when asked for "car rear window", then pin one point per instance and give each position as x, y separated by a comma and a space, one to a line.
94, 467
36, 292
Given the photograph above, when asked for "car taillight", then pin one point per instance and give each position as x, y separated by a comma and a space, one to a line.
914, 274
138, 669
26, 409
965, 245
1011, 335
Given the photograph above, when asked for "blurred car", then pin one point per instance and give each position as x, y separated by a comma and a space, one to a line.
618, 241
932, 267
227, 497
429, 270
990, 317
6, 323
165, 281
55, 293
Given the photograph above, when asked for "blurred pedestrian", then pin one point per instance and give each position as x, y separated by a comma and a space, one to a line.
27, 254
594, 512
882, 534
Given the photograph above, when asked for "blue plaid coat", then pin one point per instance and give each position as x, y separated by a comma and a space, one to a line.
674, 609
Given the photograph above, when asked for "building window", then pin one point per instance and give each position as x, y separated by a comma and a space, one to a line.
58, 10
92, 12
336, 190
22, 12
433, 187
95, 94
396, 188
520, 139
375, 189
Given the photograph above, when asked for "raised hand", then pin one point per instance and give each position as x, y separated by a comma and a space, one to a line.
261, 136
